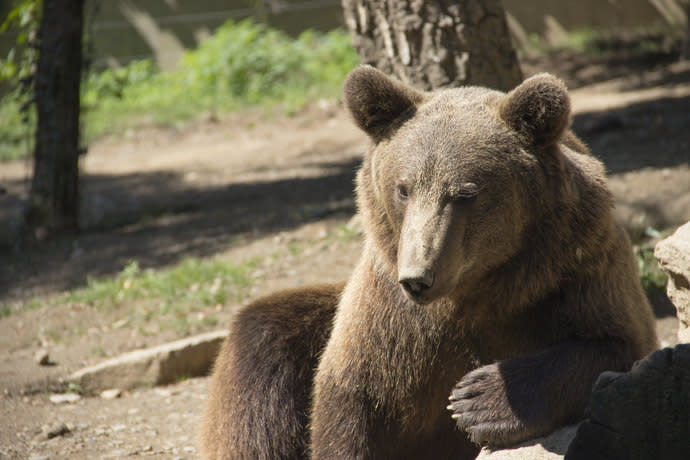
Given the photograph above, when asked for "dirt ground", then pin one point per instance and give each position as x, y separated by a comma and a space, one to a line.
251, 185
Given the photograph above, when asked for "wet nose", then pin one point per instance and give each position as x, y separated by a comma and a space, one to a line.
416, 280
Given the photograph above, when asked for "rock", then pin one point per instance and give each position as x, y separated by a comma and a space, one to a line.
42, 358
64, 398
53, 431
551, 447
673, 255
113, 393
159, 365
119, 324
641, 414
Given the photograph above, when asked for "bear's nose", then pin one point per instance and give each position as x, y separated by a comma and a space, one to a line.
416, 280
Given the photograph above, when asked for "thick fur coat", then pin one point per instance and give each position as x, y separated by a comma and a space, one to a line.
492, 271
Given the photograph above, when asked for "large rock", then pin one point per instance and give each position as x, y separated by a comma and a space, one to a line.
673, 255
551, 447
641, 414
160, 365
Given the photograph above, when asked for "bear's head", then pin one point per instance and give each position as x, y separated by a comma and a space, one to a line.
455, 178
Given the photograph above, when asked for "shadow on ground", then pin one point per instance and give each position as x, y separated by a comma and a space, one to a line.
579, 70
651, 134
159, 218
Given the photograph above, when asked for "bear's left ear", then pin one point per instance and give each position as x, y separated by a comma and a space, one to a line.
376, 101
539, 109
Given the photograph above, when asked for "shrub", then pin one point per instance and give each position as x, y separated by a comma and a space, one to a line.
243, 64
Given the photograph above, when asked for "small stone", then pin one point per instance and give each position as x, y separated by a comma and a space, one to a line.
66, 398
119, 324
163, 392
322, 234
53, 431
42, 358
113, 393
118, 428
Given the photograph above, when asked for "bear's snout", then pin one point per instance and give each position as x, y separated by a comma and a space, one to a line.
416, 281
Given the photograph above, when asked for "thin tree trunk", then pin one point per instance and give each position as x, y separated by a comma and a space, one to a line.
54, 196
685, 51
435, 44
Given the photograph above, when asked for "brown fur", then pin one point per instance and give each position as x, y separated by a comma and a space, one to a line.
492, 270
260, 391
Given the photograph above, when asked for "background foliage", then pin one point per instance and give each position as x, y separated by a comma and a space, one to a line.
243, 64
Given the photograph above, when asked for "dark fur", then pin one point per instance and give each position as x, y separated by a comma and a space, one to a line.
535, 291
260, 392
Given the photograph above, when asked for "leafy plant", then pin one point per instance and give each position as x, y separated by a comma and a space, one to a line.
243, 64
652, 278
19, 62
16, 80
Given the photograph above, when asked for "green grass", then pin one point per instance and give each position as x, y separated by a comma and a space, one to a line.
192, 283
346, 233
99, 351
168, 298
243, 65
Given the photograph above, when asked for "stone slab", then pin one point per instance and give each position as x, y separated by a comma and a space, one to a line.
160, 365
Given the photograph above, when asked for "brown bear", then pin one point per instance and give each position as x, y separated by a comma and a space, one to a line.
491, 258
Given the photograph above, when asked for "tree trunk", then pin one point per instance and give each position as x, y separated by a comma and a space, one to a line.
435, 44
54, 197
685, 51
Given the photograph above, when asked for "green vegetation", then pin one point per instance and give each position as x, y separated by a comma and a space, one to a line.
183, 297
16, 134
652, 278
16, 72
344, 233
74, 388
242, 65
168, 298
191, 282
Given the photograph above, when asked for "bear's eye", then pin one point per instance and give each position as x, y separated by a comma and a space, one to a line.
403, 194
465, 191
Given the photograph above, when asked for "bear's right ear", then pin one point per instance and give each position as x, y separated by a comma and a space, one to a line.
375, 100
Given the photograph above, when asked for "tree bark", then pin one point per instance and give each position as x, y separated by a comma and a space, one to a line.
435, 44
54, 197
685, 51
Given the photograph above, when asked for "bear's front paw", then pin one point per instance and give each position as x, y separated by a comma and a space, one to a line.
480, 407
